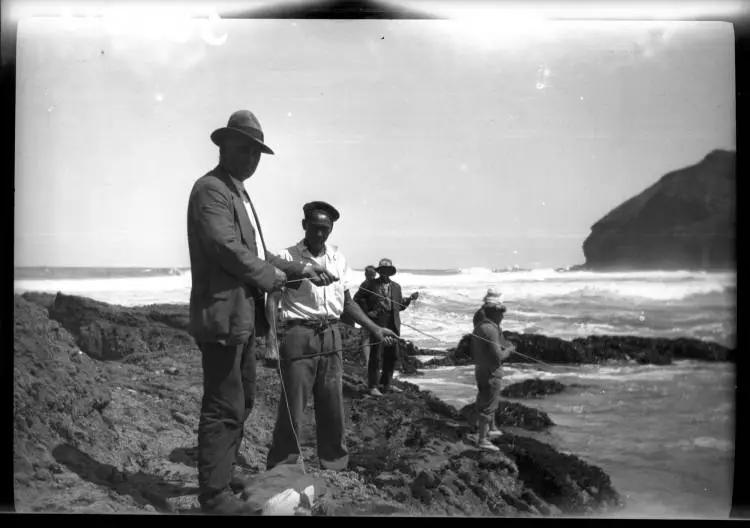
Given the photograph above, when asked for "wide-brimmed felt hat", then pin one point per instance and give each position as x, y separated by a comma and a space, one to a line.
244, 124
319, 212
386, 267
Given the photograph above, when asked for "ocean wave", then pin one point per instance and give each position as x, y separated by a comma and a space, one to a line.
703, 442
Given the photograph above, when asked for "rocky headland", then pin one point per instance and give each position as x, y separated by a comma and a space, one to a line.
106, 406
686, 220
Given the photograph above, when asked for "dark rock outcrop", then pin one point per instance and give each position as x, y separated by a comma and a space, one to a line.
512, 414
594, 349
686, 220
119, 436
532, 388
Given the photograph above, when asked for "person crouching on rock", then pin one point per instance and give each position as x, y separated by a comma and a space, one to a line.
311, 349
489, 349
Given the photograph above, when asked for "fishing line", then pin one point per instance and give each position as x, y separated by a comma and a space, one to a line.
440, 340
300, 457
445, 342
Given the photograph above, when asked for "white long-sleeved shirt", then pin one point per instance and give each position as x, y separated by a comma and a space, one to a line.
243, 193
310, 302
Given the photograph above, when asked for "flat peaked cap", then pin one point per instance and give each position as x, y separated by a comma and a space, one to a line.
321, 207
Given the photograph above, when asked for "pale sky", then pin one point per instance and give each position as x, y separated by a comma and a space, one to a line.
443, 144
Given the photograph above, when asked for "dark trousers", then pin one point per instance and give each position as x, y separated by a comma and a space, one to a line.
389, 356
321, 377
228, 397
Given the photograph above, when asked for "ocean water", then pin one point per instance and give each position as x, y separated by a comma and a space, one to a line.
663, 433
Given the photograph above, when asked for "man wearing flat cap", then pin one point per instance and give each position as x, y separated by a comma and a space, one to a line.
311, 350
489, 349
383, 302
231, 271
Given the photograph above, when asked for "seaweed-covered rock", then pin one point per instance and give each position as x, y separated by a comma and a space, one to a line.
532, 388
512, 414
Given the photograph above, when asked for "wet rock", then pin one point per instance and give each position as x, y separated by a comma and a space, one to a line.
559, 479
511, 414
595, 349
532, 388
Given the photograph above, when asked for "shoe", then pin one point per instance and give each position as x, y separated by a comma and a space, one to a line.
487, 445
393, 388
227, 503
482, 439
494, 433
240, 479
374, 392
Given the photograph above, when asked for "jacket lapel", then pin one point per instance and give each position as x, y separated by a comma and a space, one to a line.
247, 233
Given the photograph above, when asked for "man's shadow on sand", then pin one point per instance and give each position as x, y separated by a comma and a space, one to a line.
145, 489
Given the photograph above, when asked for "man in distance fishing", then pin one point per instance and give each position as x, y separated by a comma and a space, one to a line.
489, 349
383, 302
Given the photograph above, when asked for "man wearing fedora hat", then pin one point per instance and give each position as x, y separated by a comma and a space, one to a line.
231, 271
311, 351
489, 349
383, 303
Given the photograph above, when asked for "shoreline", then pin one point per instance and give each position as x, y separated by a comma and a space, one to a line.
591, 349
111, 428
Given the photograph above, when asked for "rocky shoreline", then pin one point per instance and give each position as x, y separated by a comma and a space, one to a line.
106, 403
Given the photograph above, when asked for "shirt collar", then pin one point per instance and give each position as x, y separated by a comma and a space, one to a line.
330, 252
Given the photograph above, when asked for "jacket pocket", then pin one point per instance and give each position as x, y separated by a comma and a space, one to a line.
228, 315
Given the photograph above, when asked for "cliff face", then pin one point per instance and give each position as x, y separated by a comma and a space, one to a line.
686, 220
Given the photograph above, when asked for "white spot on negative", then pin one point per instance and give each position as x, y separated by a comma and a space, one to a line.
158, 97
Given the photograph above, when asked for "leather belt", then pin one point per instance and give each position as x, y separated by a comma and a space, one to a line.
317, 324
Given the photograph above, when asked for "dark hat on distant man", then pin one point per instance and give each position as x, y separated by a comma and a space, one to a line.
386, 267
320, 213
244, 124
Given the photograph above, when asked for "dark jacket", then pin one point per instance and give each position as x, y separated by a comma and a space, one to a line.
375, 306
228, 278
489, 347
